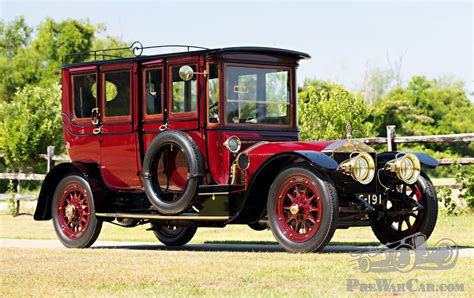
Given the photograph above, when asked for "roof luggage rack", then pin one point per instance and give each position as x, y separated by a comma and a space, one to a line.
136, 47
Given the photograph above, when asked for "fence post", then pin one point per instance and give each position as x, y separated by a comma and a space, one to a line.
392, 146
49, 156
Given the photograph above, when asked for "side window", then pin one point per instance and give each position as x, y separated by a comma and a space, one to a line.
117, 93
213, 93
184, 97
153, 91
85, 90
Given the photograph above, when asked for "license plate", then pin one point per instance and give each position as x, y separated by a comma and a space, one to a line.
371, 198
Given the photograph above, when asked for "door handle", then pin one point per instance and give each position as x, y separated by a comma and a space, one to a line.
97, 130
95, 116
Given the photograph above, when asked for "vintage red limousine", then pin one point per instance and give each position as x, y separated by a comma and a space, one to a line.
209, 137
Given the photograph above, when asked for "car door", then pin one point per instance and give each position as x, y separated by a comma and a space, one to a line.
118, 135
80, 104
170, 103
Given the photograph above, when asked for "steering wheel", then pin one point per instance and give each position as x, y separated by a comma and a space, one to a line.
214, 110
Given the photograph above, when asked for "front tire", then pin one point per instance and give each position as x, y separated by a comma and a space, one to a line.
173, 235
393, 228
73, 213
302, 209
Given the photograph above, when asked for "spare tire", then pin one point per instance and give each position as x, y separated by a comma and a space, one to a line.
172, 171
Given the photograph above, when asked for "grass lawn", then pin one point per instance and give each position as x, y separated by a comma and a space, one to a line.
156, 272
106, 272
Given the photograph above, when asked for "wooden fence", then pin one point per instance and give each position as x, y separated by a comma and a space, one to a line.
391, 140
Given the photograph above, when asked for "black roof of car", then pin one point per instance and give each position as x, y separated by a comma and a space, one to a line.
138, 51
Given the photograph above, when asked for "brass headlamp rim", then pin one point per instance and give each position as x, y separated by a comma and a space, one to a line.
397, 165
348, 167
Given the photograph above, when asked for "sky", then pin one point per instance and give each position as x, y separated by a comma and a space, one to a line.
345, 39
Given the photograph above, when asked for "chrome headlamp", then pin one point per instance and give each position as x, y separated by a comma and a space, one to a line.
406, 168
361, 168
233, 144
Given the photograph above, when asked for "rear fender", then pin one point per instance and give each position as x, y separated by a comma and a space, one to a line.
43, 207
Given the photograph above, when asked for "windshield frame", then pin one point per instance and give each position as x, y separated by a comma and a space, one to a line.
292, 110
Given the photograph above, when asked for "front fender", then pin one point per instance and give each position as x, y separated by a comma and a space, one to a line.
317, 159
425, 159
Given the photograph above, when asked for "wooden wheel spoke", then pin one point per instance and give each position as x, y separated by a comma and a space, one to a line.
297, 226
291, 218
305, 226
407, 221
298, 192
311, 219
292, 198
400, 225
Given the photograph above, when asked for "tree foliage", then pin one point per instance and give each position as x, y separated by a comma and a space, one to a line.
324, 109
423, 108
30, 73
25, 61
30, 123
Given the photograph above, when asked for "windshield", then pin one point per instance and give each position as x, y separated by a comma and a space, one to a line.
257, 95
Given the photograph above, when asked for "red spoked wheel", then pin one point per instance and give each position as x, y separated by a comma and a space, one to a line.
302, 208
410, 209
298, 208
73, 213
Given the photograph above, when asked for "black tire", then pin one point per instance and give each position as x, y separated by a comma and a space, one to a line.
425, 223
163, 202
173, 235
311, 236
258, 226
73, 213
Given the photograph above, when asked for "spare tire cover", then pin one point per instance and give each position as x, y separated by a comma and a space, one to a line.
158, 157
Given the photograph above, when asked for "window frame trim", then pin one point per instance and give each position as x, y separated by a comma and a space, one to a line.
159, 116
181, 115
292, 104
122, 118
72, 75
219, 93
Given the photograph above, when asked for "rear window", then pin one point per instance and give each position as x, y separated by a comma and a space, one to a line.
85, 89
117, 93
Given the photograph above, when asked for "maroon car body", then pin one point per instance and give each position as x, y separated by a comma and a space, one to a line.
232, 115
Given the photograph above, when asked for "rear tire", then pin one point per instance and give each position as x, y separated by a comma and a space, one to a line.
302, 209
173, 235
73, 213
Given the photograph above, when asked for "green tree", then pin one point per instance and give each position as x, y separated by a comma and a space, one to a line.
25, 61
324, 110
30, 123
30, 73
427, 107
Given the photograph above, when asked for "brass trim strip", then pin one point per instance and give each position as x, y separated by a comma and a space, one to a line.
212, 193
164, 217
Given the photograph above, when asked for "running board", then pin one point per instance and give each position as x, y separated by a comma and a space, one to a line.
164, 217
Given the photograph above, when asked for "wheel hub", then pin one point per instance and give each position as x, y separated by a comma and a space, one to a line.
294, 209
70, 212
